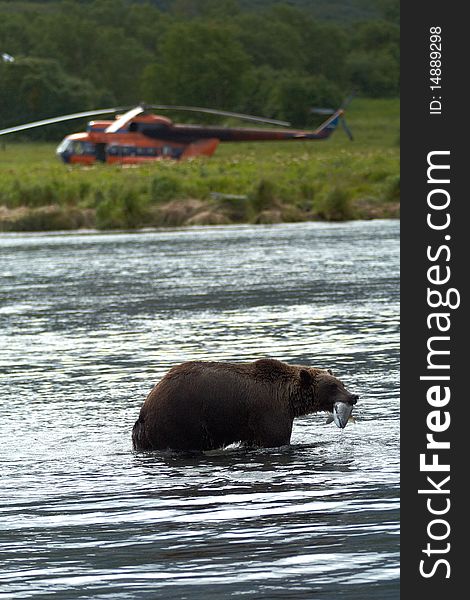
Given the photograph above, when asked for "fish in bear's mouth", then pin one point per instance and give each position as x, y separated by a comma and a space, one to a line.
342, 413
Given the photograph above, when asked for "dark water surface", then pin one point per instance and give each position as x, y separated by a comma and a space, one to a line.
89, 322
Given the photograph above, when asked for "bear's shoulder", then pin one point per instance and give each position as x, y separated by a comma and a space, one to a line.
272, 368
270, 363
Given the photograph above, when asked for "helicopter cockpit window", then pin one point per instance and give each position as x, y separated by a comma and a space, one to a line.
76, 147
64, 146
87, 148
67, 147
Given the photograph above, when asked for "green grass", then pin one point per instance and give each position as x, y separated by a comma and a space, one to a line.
333, 179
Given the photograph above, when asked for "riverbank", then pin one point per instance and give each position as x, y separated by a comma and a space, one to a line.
273, 182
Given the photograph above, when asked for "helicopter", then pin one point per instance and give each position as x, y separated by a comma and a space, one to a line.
139, 135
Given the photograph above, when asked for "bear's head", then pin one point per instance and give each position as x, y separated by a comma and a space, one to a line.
322, 391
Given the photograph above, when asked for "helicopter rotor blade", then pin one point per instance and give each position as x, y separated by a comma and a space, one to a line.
330, 111
224, 113
346, 129
124, 119
347, 101
323, 111
130, 114
88, 113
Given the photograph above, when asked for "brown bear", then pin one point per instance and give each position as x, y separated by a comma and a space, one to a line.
207, 405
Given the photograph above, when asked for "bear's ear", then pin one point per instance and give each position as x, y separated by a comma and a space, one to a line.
306, 378
330, 372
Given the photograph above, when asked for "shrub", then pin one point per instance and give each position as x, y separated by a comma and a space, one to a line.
392, 190
121, 211
336, 206
235, 207
263, 196
164, 187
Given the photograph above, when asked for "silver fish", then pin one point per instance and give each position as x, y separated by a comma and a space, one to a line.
341, 414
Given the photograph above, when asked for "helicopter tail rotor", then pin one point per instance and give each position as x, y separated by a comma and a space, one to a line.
340, 112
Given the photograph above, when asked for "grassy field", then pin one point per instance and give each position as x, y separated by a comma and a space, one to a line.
278, 181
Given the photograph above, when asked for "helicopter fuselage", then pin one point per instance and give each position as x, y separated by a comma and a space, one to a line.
139, 135
153, 137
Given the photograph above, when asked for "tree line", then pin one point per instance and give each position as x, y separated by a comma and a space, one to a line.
277, 61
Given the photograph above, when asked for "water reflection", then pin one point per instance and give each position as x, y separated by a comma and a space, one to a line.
89, 322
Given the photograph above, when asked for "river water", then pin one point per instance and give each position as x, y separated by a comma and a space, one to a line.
90, 321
